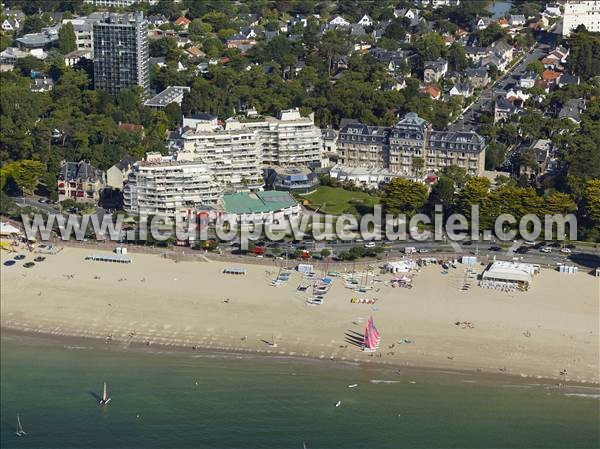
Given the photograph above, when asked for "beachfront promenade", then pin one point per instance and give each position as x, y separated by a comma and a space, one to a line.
158, 301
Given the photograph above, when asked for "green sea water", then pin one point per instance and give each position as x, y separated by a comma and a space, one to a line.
187, 399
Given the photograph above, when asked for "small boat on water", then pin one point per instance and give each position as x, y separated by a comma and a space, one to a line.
338, 403
20, 432
352, 385
105, 397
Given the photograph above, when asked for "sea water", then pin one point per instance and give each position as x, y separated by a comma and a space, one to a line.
191, 399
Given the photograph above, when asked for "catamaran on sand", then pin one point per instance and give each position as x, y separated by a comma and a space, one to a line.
371, 338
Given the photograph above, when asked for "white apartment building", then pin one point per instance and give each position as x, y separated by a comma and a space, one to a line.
234, 154
287, 140
584, 12
237, 151
84, 31
166, 185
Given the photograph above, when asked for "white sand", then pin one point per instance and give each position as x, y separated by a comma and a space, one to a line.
182, 303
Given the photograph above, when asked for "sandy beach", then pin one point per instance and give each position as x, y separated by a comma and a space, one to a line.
552, 328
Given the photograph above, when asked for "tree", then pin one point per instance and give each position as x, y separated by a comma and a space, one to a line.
584, 58
67, 39
333, 43
403, 196
25, 173
417, 165
442, 194
430, 46
559, 203
174, 115
325, 253
33, 24
474, 192
457, 57
591, 205
457, 174
537, 67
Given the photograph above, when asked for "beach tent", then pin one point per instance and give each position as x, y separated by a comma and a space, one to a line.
8, 230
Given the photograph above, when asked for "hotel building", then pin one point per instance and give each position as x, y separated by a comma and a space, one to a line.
410, 148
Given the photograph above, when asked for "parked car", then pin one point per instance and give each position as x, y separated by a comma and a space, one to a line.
370, 245
495, 248
565, 250
546, 249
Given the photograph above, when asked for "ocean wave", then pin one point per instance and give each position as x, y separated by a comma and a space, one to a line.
584, 395
377, 381
78, 347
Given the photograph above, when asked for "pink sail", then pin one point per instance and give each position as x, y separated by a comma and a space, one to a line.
372, 337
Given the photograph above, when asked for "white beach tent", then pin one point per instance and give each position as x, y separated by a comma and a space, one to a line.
6, 229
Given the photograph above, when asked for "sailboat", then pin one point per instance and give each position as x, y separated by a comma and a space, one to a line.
20, 432
105, 398
372, 337
273, 342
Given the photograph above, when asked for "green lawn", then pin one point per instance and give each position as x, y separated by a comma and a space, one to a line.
336, 201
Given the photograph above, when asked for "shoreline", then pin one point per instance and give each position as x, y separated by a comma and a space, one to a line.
72, 342
181, 304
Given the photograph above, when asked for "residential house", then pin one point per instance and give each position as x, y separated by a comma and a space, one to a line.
517, 20
9, 56
553, 10
481, 23
541, 149
157, 19
80, 181
476, 54
131, 128
394, 60
504, 109
527, 79
566, 79
504, 50
503, 22
434, 70
330, 138
551, 76
572, 110
194, 52
366, 21
338, 21
250, 32
240, 41
10, 25
462, 89
477, 77
182, 22
42, 84
517, 96
118, 173
74, 57
433, 91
